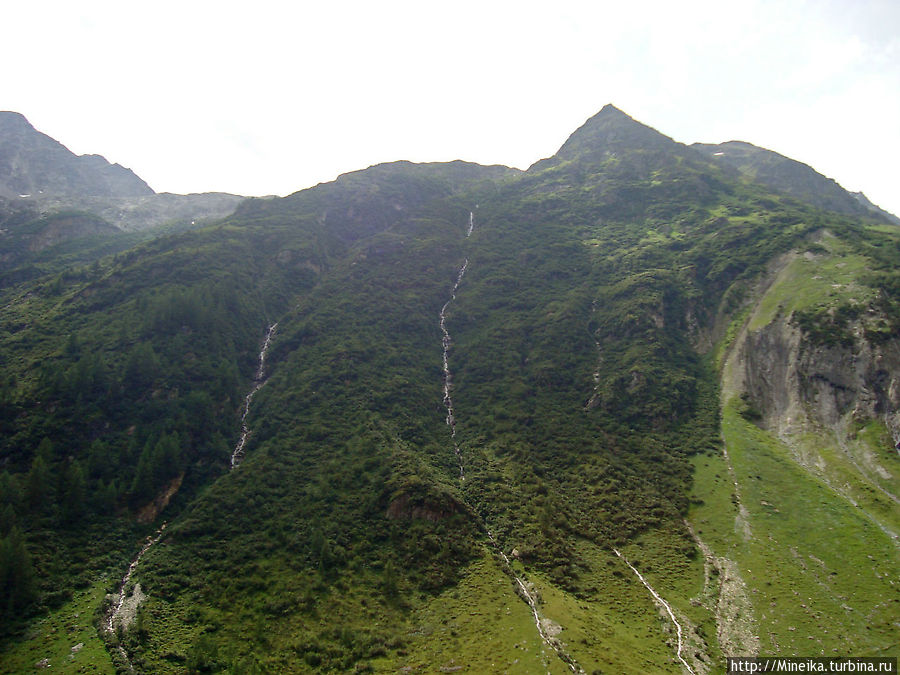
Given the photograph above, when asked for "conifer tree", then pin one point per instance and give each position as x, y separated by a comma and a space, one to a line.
17, 589
74, 492
37, 484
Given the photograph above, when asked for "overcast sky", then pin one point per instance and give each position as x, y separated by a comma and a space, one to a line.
271, 97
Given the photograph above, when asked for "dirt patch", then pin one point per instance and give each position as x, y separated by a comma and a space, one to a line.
150, 512
736, 628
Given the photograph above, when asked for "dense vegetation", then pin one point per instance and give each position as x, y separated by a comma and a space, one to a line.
595, 283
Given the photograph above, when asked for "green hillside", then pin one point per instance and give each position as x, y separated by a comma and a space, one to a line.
631, 330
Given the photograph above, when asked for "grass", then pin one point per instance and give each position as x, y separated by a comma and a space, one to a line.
814, 280
54, 637
618, 628
819, 572
479, 626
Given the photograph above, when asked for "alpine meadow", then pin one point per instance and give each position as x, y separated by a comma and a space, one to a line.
633, 410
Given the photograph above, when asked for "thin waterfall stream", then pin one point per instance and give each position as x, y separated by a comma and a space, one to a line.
448, 378
115, 610
521, 586
665, 605
116, 615
258, 381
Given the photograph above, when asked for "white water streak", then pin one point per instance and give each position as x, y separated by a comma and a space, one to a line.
529, 598
446, 342
116, 607
448, 378
238, 455
665, 605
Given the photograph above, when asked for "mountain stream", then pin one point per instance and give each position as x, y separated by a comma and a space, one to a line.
121, 611
258, 381
523, 589
665, 605
448, 380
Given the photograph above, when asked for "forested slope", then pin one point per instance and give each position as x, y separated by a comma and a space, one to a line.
584, 311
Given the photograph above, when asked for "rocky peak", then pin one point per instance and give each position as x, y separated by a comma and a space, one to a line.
33, 164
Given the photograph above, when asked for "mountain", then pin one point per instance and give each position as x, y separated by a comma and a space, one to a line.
32, 163
630, 410
792, 178
55, 204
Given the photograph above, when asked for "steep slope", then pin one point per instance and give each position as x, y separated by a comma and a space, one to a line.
809, 422
793, 178
576, 512
32, 163
58, 209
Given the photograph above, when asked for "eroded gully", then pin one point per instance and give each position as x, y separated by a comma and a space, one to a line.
522, 588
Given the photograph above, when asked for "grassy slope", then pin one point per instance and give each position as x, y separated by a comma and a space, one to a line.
54, 636
821, 582
820, 570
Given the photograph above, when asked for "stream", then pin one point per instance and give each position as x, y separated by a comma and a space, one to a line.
116, 613
448, 379
522, 588
665, 605
258, 381
117, 608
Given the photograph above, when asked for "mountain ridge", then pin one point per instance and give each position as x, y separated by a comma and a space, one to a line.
593, 467
792, 177
32, 163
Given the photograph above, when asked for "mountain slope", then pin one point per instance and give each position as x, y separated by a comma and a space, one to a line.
793, 178
32, 163
489, 435
58, 208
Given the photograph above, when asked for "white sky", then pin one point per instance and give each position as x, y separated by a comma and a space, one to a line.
270, 97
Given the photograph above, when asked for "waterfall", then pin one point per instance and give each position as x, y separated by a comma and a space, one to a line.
448, 379
116, 607
664, 605
258, 381
522, 588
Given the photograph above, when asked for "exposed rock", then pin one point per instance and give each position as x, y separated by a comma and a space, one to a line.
149, 512
33, 164
403, 508
131, 214
127, 612
790, 380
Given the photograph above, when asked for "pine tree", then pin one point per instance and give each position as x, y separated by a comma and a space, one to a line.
143, 484
74, 492
7, 519
17, 589
37, 484
10, 492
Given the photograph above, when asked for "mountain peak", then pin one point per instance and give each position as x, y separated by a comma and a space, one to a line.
13, 121
33, 163
612, 130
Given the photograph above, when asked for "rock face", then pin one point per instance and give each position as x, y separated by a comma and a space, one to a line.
131, 214
32, 163
792, 381
40, 177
